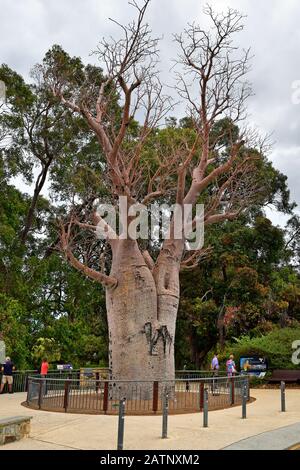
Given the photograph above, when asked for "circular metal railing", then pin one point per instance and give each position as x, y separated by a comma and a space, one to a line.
88, 395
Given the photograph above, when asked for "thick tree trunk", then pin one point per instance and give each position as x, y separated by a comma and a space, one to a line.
141, 319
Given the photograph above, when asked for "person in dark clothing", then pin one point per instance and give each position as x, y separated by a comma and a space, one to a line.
7, 375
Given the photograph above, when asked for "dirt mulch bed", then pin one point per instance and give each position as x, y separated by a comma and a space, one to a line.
185, 402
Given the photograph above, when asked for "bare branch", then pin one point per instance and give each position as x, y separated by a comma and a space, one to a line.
65, 236
193, 259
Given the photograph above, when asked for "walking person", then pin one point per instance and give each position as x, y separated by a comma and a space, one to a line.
7, 377
215, 364
230, 366
215, 370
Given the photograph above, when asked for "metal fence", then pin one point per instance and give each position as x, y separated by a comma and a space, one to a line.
198, 374
20, 378
185, 395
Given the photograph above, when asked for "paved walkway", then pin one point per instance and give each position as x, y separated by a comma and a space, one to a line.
74, 431
279, 439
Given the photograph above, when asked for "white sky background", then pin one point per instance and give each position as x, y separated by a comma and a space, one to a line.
28, 28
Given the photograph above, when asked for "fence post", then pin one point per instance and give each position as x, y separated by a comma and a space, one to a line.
121, 424
155, 397
165, 416
244, 401
232, 391
28, 391
201, 395
26, 383
66, 395
248, 389
105, 397
205, 409
40, 394
282, 390
97, 377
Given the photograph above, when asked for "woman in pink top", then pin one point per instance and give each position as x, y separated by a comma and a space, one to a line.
230, 366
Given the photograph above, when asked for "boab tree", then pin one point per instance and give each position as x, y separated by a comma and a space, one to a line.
212, 163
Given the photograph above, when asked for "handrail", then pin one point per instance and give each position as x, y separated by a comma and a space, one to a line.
176, 379
89, 395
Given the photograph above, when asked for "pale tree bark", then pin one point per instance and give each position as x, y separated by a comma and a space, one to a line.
143, 293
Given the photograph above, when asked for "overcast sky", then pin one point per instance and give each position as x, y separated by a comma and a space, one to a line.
28, 28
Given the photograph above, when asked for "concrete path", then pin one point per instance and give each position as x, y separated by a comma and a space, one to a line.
73, 431
279, 439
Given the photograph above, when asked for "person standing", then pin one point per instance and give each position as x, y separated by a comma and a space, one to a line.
230, 366
215, 369
44, 372
7, 377
44, 366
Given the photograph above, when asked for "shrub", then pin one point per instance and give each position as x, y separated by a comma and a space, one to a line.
276, 346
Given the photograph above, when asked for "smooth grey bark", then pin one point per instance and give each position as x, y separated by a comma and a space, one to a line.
141, 318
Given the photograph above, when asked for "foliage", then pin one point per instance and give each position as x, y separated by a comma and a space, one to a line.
46, 348
248, 288
12, 315
276, 346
